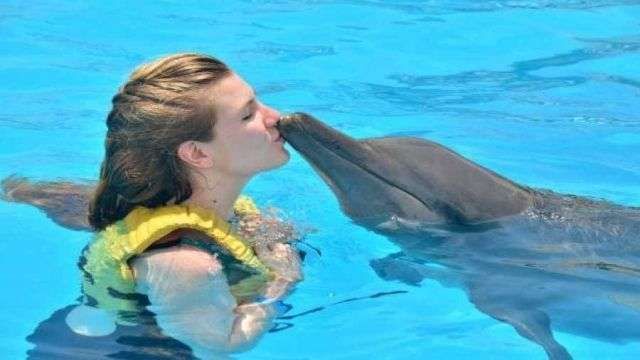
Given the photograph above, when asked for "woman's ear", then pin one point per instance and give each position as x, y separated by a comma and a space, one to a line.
195, 154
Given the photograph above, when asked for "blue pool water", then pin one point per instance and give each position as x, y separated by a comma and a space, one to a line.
545, 92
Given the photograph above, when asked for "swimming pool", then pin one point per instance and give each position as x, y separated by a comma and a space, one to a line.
544, 92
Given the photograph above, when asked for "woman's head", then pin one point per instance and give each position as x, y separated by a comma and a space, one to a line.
246, 139
167, 113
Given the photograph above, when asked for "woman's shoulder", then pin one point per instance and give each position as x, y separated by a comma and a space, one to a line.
183, 258
181, 277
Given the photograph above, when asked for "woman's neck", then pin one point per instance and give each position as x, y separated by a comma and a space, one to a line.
219, 195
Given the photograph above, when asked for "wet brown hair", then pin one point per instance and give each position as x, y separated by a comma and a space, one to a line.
157, 109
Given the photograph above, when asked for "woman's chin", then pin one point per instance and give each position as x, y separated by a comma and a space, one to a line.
277, 161
284, 157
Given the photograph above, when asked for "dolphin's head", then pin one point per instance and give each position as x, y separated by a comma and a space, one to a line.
403, 183
367, 194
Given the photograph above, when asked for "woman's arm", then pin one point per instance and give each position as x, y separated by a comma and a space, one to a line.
285, 262
192, 301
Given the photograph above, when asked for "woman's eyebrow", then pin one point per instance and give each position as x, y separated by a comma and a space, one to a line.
250, 102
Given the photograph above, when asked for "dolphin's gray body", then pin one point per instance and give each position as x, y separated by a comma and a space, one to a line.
534, 259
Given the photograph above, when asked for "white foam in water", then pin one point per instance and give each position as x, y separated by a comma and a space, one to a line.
90, 321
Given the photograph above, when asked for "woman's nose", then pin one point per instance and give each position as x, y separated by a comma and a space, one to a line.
271, 116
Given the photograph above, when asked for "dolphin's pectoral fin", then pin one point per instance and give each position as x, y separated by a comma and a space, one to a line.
401, 267
531, 323
64, 202
391, 268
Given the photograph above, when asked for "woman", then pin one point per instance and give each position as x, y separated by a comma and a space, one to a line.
184, 136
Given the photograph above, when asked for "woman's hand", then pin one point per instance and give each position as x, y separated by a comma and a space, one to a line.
282, 259
285, 263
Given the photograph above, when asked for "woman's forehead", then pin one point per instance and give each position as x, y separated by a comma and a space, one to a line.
232, 93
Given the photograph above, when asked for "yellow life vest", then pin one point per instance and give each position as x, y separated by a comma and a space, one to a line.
108, 281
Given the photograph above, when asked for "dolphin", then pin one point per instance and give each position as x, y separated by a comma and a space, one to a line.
65, 202
532, 258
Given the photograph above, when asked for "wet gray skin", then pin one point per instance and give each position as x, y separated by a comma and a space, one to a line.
415, 182
537, 260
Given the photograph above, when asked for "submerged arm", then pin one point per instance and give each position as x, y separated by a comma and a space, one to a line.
192, 301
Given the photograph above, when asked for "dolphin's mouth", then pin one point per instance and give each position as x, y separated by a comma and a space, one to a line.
300, 129
314, 140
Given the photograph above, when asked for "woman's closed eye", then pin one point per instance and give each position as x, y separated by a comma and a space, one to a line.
249, 116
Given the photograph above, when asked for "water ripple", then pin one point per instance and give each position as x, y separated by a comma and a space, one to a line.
419, 93
91, 48
285, 52
189, 19
454, 6
596, 49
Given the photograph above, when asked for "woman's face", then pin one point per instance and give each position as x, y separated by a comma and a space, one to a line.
245, 139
